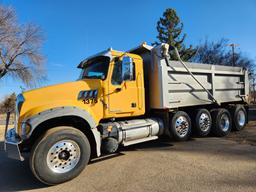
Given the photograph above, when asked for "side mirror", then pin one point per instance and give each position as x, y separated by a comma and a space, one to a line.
127, 68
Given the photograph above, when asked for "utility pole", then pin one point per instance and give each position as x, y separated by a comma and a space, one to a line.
232, 45
253, 87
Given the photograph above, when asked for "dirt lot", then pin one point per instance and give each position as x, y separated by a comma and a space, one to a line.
201, 164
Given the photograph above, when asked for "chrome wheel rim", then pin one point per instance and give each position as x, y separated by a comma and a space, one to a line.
241, 118
204, 122
224, 122
63, 156
182, 126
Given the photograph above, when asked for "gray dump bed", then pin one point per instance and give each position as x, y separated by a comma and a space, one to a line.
169, 85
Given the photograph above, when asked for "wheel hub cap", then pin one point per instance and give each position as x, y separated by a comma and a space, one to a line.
241, 118
63, 156
182, 126
204, 122
224, 123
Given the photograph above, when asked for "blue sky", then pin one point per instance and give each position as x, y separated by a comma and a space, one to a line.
76, 29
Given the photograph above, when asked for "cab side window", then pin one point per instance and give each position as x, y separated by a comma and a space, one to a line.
117, 78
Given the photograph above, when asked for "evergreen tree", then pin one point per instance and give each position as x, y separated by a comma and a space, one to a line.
169, 29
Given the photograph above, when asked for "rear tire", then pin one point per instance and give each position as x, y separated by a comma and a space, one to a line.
59, 155
239, 116
202, 122
221, 122
180, 126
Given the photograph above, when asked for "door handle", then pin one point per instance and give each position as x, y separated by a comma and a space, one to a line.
118, 90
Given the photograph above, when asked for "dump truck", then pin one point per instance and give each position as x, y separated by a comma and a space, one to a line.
121, 99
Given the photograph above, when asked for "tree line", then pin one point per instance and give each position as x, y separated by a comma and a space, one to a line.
170, 31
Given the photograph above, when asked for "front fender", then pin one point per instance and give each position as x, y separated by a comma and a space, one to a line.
41, 117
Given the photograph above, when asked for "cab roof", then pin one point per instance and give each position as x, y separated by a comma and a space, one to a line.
110, 53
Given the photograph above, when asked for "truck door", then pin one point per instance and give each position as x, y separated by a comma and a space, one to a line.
122, 89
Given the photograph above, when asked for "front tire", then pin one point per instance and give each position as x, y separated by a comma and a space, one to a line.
180, 126
59, 155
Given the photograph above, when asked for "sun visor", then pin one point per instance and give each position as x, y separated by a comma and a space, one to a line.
106, 53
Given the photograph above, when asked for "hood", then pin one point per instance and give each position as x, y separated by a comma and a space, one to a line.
65, 94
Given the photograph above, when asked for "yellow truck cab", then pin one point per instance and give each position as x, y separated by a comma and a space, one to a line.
123, 98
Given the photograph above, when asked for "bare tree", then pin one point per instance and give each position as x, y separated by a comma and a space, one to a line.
20, 45
219, 53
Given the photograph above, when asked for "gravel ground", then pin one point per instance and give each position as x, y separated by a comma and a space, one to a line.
201, 164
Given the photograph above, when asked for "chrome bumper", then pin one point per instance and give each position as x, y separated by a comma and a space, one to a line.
11, 144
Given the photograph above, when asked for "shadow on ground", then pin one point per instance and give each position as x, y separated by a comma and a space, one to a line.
15, 175
252, 113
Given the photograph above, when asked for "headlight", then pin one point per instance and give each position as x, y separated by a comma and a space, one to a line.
25, 129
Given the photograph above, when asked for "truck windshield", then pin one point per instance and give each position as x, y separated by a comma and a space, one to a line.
95, 69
